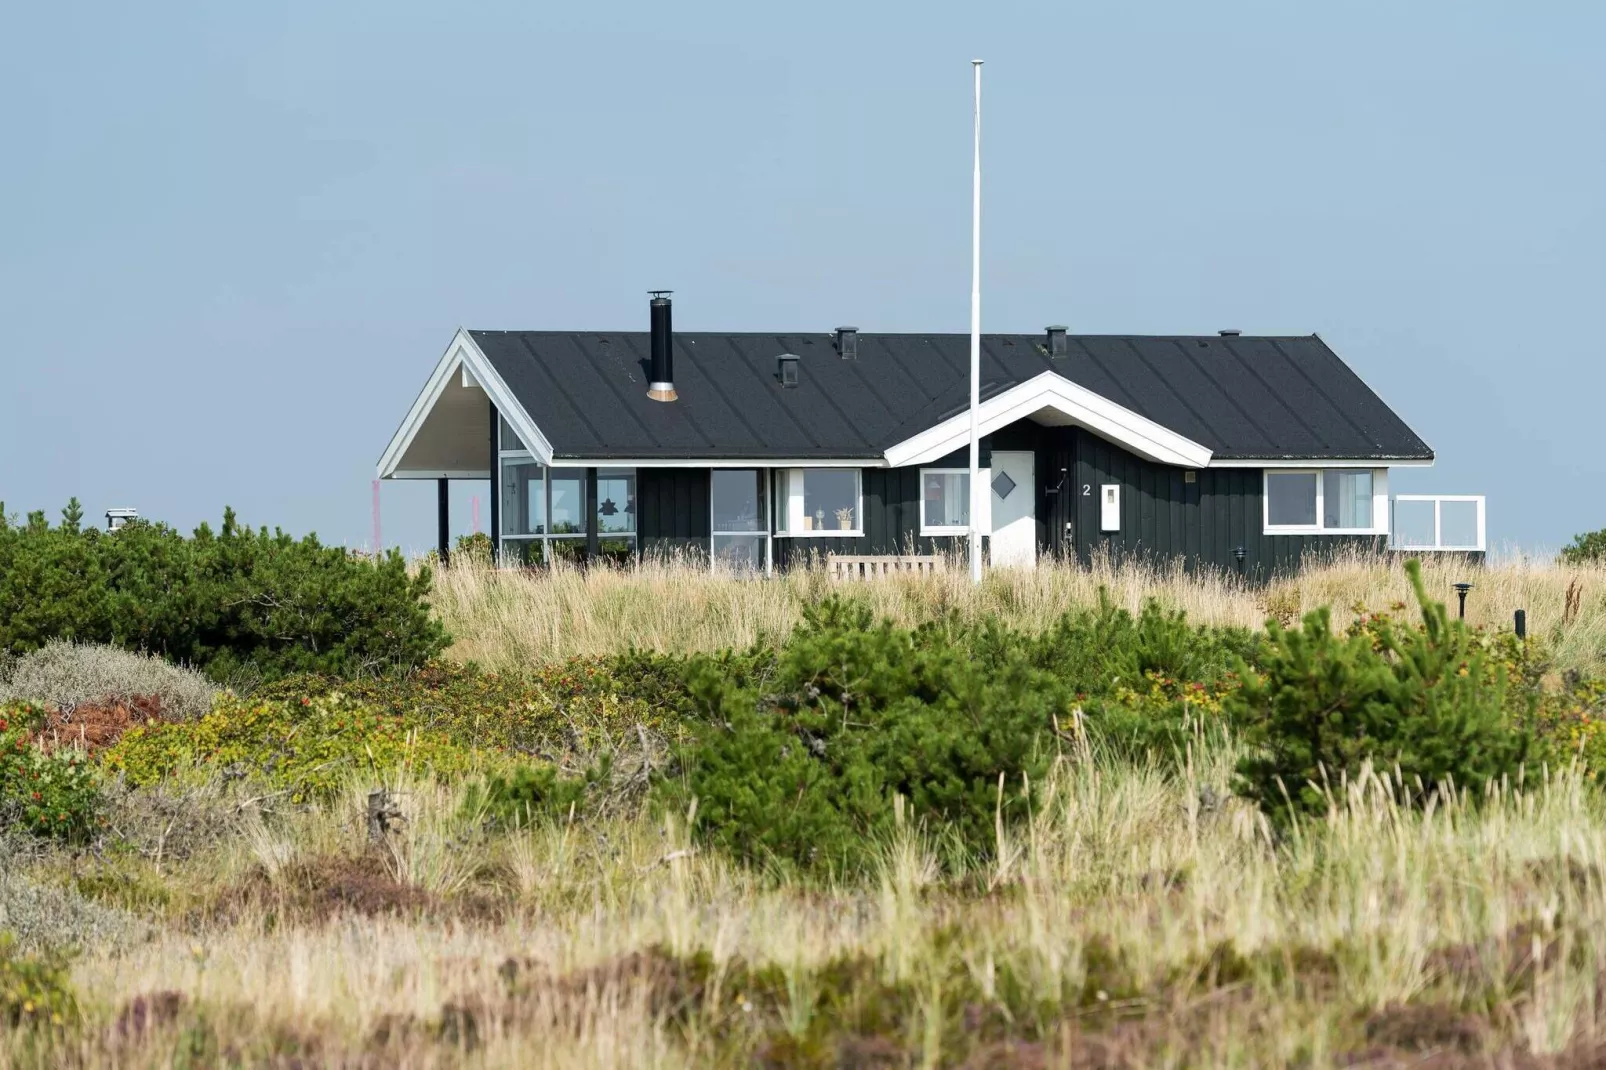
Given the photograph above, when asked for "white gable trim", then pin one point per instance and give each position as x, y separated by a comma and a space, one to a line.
464, 356
1050, 390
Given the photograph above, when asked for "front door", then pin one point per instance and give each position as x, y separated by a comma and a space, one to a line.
1014, 489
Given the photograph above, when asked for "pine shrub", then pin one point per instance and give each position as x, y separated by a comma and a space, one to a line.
1431, 701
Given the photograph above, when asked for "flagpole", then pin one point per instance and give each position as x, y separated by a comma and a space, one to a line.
976, 489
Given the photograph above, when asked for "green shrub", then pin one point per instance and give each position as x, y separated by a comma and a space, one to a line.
64, 674
805, 772
49, 794
1431, 700
35, 989
528, 794
1590, 546
228, 601
306, 748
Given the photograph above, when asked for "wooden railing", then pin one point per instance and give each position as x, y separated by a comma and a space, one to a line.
869, 568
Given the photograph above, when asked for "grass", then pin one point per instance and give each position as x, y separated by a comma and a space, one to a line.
1141, 919
510, 619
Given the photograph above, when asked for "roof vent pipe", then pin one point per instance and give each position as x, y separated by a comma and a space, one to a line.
847, 342
1058, 346
1230, 332
786, 369
662, 387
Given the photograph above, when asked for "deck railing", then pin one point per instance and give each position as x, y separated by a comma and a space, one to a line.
1452, 523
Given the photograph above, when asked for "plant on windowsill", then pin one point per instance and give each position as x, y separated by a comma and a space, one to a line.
844, 519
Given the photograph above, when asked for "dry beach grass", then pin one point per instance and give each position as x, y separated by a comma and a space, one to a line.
506, 619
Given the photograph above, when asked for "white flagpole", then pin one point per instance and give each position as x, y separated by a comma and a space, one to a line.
976, 489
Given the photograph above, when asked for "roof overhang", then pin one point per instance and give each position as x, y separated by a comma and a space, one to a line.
1322, 462
463, 370
1051, 398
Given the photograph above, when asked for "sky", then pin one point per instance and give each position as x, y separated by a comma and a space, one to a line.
235, 238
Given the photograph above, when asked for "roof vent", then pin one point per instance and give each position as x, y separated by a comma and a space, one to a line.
847, 342
1230, 332
787, 367
1058, 344
662, 387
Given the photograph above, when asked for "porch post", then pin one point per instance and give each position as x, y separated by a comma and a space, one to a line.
443, 510
591, 515
496, 485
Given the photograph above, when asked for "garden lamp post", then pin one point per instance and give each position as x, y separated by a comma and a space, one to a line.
1461, 590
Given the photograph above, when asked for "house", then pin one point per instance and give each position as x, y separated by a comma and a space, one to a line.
1243, 453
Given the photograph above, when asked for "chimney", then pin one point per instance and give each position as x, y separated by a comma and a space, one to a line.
662, 387
786, 366
1058, 345
847, 342
1230, 332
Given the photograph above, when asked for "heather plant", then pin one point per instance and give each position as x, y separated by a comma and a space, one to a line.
223, 601
64, 675
1432, 703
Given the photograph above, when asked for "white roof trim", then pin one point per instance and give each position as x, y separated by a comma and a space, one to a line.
465, 355
717, 462
1050, 390
1322, 462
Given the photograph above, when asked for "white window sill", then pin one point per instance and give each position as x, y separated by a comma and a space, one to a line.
1302, 529
944, 531
830, 533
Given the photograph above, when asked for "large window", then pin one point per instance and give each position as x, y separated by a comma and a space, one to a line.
818, 502
1308, 501
944, 501
741, 538
544, 509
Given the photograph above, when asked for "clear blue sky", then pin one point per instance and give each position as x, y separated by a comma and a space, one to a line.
236, 237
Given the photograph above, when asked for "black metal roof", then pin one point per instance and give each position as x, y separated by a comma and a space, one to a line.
1242, 397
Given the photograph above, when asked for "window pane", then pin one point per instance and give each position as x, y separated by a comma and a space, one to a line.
1458, 523
946, 500
523, 552
1346, 499
1291, 498
616, 548
510, 438
523, 498
1413, 525
567, 549
738, 499
830, 499
739, 553
616, 500
568, 501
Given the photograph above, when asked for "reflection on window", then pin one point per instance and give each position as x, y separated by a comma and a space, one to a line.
817, 501
1291, 499
568, 509
944, 500
739, 553
523, 499
1346, 499
740, 528
616, 501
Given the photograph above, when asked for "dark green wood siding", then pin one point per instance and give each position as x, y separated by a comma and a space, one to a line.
673, 516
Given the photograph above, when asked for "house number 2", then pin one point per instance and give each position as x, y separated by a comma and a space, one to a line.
1087, 490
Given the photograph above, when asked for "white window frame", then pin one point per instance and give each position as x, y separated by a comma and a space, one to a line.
1380, 504
793, 510
767, 532
1438, 501
940, 529
547, 538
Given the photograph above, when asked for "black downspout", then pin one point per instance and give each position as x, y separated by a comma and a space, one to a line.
496, 485
591, 515
443, 510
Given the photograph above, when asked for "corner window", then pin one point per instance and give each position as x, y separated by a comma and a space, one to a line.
616, 513
740, 526
818, 502
944, 501
1313, 502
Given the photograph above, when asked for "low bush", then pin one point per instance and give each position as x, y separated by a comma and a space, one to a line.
305, 748
44, 917
35, 988
1585, 548
48, 793
232, 601
527, 794
66, 675
807, 773
1434, 702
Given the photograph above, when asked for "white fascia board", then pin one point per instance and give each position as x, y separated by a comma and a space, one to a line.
1318, 462
1050, 390
721, 462
432, 473
465, 355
